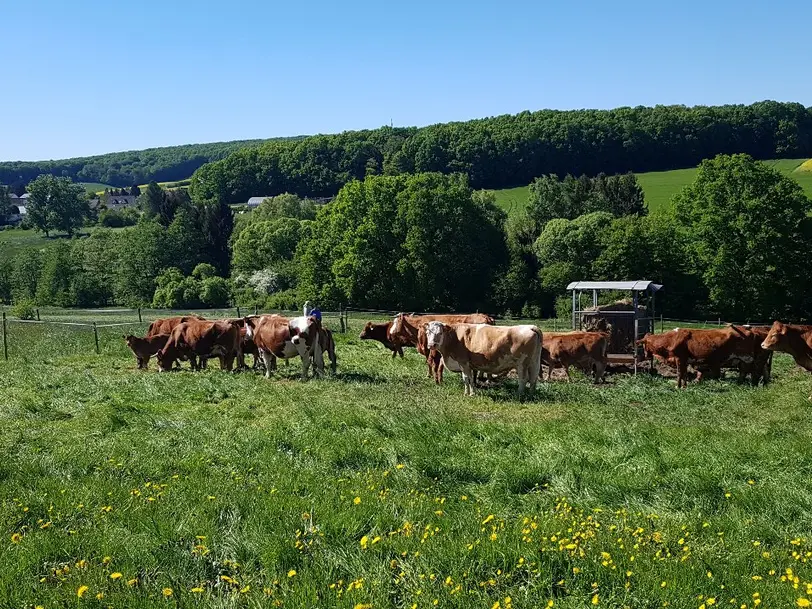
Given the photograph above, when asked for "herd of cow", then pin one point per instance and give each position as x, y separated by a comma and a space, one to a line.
469, 344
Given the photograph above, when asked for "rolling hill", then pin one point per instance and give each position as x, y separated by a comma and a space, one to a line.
660, 186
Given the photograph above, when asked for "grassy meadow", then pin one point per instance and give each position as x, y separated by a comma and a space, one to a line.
376, 488
660, 186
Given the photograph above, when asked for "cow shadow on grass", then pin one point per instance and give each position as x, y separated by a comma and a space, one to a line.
358, 377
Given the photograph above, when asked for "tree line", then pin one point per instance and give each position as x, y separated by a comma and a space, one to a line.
124, 169
734, 246
512, 150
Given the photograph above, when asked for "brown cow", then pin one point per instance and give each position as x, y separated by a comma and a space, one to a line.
145, 348
380, 333
201, 339
165, 326
276, 336
490, 349
328, 346
793, 339
585, 350
706, 349
405, 330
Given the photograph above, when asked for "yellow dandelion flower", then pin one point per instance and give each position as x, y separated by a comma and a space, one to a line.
196, 590
803, 602
292, 573
100, 596
106, 560
245, 589
82, 591
132, 582
595, 599
400, 466
364, 542
496, 605
115, 575
16, 538
488, 519
356, 501
167, 592
550, 603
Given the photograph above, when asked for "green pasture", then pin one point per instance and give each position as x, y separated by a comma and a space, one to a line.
376, 488
659, 186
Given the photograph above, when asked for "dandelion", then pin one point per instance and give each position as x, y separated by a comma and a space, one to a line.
82, 591
364, 542
803, 602
115, 575
132, 582
550, 603
100, 596
196, 590
167, 592
106, 560
292, 573
363, 606
356, 501
16, 538
488, 519
245, 589
595, 599
400, 466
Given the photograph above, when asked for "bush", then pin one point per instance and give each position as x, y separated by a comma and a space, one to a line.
115, 218
24, 309
287, 300
214, 292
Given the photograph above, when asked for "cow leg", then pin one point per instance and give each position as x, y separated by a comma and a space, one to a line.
467, 380
268, 359
438, 372
567, 372
532, 371
682, 372
550, 371
400, 352
305, 365
600, 370
318, 359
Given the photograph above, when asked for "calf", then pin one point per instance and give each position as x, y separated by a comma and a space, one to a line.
201, 339
276, 336
793, 339
490, 349
146, 347
380, 333
585, 350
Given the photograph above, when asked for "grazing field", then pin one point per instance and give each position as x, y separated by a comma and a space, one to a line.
375, 488
15, 240
95, 187
660, 186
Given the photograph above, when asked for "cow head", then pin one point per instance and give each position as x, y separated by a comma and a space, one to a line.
249, 324
435, 334
366, 333
165, 362
304, 331
775, 337
129, 338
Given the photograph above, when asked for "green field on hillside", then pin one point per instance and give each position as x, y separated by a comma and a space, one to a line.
376, 488
94, 187
659, 186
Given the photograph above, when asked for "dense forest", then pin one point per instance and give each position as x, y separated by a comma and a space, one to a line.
506, 151
125, 168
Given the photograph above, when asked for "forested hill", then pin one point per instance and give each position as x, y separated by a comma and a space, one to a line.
127, 168
512, 150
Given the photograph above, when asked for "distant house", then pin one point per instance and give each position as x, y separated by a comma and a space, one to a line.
254, 202
114, 201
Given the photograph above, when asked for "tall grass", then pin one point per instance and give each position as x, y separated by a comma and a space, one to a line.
377, 488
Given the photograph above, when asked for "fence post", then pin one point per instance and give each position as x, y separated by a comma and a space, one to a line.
341, 318
238, 313
5, 340
661, 324
37, 314
96, 336
139, 315
720, 321
256, 309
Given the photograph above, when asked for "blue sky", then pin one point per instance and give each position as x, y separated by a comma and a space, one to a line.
90, 77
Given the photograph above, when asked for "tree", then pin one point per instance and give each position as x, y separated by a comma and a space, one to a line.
151, 200
56, 204
24, 275
56, 277
135, 190
749, 232
141, 253
266, 243
417, 242
5, 202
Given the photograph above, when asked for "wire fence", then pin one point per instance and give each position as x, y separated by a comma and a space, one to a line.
80, 330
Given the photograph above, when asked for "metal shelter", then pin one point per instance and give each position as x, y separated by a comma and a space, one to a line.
640, 319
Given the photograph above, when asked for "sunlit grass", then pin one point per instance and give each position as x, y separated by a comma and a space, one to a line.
378, 488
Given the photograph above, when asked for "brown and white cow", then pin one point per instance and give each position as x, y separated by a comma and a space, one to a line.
707, 350
145, 348
201, 339
380, 333
489, 349
793, 339
584, 350
279, 337
405, 330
